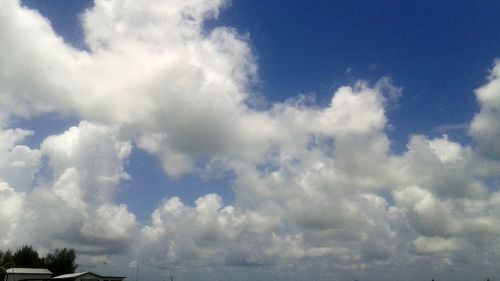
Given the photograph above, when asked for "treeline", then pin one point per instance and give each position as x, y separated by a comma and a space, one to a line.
61, 261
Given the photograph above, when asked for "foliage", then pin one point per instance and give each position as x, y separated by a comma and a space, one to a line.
27, 256
6, 261
6, 258
61, 261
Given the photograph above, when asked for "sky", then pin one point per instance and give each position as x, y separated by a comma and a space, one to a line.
253, 140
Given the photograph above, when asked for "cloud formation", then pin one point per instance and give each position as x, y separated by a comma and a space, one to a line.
310, 183
485, 127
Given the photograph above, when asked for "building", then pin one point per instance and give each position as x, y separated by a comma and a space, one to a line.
31, 274
42, 274
86, 276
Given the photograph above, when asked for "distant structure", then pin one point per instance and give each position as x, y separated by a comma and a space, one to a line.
32, 274
42, 274
86, 276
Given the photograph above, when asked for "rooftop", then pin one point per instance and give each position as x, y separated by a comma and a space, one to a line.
71, 275
25, 270
78, 274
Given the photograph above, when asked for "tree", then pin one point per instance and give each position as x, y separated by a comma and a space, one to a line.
6, 259
27, 256
62, 261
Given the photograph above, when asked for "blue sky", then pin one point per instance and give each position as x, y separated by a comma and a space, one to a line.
436, 51
255, 135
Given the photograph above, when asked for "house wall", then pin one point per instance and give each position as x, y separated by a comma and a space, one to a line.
21, 276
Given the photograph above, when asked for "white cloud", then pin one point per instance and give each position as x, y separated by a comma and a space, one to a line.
443, 166
111, 223
426, 245
94, 150
33, 80
306, 203
72, 203
485, 127
18, 163
10, 212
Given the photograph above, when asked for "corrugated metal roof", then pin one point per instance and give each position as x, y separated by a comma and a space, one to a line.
71, 275
24, 270
75, 275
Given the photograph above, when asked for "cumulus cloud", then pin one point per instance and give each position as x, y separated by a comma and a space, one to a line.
310, 183
310, 196
87, 165
72, 203
485, 128
10, 212
18, 163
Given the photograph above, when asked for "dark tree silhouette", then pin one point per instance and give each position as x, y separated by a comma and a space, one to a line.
6, 261
6, 258
62, 261
27, 256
